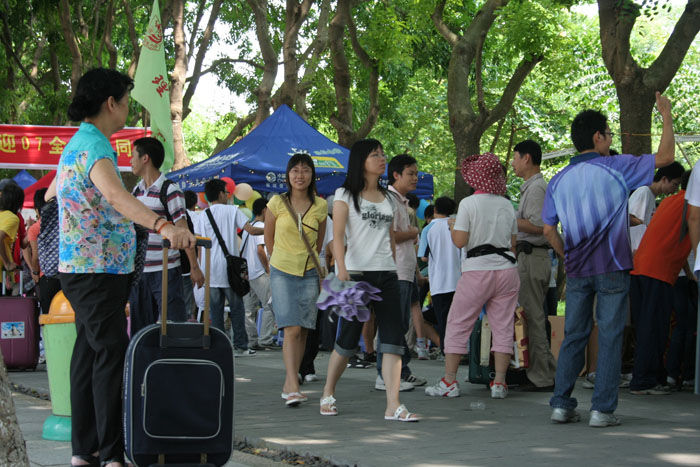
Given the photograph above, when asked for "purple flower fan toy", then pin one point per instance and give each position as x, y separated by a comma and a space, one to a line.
347, 299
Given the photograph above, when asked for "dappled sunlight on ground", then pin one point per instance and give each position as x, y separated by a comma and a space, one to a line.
679, 458
300, 441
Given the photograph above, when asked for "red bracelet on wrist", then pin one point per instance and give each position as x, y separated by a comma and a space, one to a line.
163, 225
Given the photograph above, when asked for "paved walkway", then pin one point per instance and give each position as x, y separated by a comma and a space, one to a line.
655, 430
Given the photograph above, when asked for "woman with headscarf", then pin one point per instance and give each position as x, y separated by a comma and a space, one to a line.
486, 226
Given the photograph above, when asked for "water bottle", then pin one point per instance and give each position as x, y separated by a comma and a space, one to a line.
477, 405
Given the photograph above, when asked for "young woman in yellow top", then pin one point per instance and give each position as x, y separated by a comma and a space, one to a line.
293, 278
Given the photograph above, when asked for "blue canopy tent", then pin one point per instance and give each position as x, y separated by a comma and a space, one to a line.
260, 158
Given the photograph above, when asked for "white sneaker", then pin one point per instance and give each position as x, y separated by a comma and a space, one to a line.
498, 390
423, 353
380, 386
243, 352
310, 378
588, 381
415, 380
442, 389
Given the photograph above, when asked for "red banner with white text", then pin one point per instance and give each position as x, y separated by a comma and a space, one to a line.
40, 147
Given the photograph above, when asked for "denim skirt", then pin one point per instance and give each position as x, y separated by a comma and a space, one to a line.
294, 298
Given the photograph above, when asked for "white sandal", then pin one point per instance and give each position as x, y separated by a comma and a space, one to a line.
329, 401
409, 417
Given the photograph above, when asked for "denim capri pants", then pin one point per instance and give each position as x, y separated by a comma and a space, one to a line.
294, 298
388, 316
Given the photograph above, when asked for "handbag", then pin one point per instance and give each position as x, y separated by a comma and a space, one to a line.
236, 267
47, 240
322, 273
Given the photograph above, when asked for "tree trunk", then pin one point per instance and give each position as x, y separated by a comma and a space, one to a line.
343, 119
177, 82
636, 104
77, 58
234, 133
635, 85
264, 90
13, 450
467, 123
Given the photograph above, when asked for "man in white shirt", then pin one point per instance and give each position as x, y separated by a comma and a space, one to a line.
642, 203
145, 298
228, 219
253, 250
443, 263
692, 195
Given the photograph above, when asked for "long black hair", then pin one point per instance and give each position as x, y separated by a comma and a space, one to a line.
95, 87
305, 159
355, 178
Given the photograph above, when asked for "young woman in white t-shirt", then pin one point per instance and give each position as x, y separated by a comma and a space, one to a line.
363, 212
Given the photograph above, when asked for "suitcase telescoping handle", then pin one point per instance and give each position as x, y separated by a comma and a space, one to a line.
21, 282
201, 242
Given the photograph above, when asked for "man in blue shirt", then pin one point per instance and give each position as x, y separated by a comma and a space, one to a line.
589, 198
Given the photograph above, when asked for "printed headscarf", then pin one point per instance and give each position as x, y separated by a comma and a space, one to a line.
484, 172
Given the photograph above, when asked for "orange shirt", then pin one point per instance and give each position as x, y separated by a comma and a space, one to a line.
660, 254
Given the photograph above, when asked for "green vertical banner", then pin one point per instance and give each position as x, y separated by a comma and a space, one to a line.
152, 88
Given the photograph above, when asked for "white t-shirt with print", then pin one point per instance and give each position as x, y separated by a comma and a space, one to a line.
249, 244
229, 219
367, 233
443, 258
692, 195
489, 219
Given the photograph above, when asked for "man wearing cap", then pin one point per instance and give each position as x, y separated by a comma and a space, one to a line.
485, 227
589, 198
534, 265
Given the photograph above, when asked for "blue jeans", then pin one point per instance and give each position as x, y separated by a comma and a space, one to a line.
235, 303
406, 292
612, 289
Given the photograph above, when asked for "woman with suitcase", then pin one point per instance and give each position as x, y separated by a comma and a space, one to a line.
363, 213
96, 258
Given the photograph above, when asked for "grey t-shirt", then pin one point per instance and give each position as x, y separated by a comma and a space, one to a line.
531, 200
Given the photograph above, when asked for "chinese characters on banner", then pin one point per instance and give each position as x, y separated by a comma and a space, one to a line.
40, 147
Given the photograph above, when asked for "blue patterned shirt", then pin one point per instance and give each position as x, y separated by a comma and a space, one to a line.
93, 236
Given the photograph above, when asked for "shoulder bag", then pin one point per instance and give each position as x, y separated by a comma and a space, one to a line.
236, 267
312, 253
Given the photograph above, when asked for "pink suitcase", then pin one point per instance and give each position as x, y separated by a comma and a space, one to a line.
19, 330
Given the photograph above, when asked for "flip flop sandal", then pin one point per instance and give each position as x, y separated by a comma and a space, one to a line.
330, 402
293, 399
92, 461
409, 417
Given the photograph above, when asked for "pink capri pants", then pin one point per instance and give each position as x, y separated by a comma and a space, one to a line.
498, 290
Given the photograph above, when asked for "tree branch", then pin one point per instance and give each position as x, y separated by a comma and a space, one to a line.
72, 43
6, 40
664, 68
497, 136
269, 55
511, 90
201, 52
615, 30
440, 25
111, 49
195, 28
479, 75
219, 61
131, 27
242, 123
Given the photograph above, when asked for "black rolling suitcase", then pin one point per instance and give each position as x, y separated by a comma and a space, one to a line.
178, 390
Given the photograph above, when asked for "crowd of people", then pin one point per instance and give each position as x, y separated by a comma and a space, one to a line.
481, 257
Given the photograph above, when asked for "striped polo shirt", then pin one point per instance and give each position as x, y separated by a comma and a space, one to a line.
589, 198
176, 205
